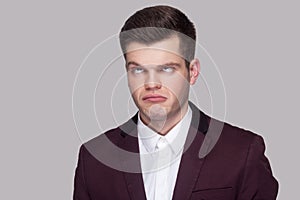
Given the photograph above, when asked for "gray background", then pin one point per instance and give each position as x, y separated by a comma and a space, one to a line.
255, 45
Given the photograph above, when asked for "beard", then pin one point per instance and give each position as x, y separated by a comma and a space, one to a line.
156, 117
157, 113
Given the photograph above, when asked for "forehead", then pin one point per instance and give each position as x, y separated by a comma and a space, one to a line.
162, 51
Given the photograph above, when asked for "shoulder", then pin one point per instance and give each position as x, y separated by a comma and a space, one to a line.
112, 135
234, 140
110, 140
221, 132
99, 152
235, 134
104, 142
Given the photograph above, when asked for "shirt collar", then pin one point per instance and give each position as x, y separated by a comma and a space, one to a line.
175, 137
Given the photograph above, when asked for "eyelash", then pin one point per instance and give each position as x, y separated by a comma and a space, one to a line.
167, 67
133, 70
162, 69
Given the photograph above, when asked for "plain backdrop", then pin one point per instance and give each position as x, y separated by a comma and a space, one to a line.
255, 45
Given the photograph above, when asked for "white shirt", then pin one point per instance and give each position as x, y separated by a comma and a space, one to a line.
160, 157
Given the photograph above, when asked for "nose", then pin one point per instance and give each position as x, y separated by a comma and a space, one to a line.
152, 82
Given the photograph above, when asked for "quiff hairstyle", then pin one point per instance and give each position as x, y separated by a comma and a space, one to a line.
156, 23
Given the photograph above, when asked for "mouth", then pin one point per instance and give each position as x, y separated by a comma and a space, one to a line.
154, 98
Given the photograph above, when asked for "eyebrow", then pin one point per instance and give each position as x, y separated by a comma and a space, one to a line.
132, 63
166, 64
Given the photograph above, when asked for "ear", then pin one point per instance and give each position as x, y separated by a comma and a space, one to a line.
194, 70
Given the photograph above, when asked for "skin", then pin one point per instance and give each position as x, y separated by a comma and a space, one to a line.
159, 82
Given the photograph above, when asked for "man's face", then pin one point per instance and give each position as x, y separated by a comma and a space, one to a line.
158, 79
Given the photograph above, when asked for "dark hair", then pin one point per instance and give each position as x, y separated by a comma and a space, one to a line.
153, 24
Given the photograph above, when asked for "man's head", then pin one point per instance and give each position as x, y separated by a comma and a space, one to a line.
166, 22
160, 62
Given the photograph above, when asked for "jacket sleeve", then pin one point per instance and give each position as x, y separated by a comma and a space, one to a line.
258, 181
80, 189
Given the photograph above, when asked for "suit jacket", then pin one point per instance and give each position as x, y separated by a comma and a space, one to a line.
220, 162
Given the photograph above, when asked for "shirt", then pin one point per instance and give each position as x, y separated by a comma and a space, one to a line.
160, 157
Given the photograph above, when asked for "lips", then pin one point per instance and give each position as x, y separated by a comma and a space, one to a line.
154, 98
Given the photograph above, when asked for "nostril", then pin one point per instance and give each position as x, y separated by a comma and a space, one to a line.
152, 85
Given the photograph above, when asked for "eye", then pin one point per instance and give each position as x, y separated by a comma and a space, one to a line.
137, 70
167, 69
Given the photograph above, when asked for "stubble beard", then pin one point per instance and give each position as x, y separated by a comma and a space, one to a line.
158, 119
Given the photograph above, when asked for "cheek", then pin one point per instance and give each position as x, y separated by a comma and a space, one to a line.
177, 85
136, 94
134, 85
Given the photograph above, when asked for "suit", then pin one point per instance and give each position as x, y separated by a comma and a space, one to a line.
226, 166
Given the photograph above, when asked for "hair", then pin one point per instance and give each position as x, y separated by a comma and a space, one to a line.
156, 23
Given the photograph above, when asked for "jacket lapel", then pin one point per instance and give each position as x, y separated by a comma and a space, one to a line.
191, 163
189, 169
131, 162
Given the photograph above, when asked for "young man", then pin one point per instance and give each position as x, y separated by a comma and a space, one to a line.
158, 154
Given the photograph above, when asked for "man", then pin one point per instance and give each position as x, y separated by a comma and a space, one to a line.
170, 149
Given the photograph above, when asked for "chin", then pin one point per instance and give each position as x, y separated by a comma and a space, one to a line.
155, 112
157, 117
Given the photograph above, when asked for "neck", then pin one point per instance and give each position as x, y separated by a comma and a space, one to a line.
162, 127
